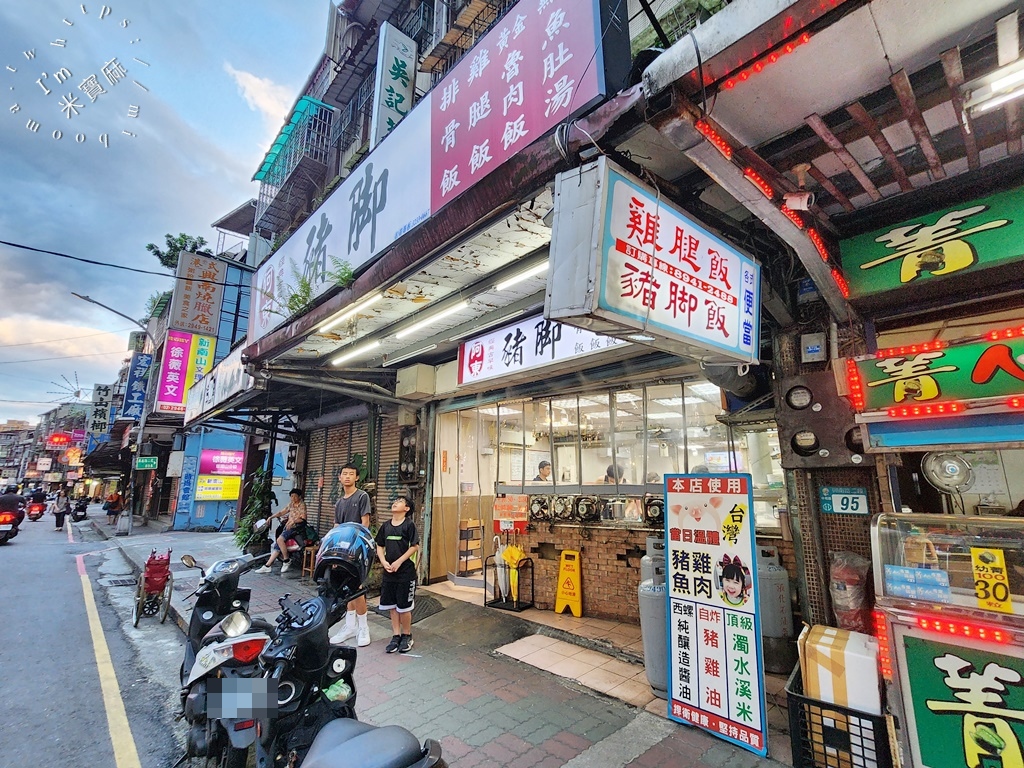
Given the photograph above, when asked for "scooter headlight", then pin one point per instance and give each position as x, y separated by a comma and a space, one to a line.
236, 624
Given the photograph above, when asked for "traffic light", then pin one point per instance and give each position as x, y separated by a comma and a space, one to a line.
816, 424
408, 455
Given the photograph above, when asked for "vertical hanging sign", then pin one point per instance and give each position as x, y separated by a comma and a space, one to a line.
715, 662
394, 81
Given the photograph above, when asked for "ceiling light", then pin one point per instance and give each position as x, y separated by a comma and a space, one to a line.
351, 312
432, 319
994, 89
516, 279
403, 358
357, 352
640, 337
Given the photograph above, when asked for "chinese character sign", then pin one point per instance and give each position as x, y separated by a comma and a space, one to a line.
394, 81
715, 679
135, 387
526, 345
665, 271
99, 416
967, 701
540, 65
198, 293
215, 462
186, 359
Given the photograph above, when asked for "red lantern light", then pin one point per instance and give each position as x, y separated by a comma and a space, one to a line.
792, 215
819, 244
758, 181
715, 138
841, 283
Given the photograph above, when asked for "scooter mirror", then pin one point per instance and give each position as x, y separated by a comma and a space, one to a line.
189, 561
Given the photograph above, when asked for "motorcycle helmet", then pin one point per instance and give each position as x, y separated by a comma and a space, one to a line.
11, 489
344, 557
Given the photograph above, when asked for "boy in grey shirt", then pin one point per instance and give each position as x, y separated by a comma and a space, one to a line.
353, 507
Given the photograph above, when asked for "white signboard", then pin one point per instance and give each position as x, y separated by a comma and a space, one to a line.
626, 262
227, 379
715, 658
198, 294
394, 82
528, 344
44, 463
99, 419
386, 196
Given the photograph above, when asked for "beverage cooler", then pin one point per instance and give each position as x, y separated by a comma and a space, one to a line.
950, 624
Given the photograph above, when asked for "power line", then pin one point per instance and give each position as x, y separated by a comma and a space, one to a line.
69, 338
62, 357
122, 266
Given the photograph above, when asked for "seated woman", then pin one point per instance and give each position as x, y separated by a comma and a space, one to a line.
295, 519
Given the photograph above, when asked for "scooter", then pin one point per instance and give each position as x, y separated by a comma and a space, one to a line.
80, 511
315, 724
9, 522
223, 644
35, 510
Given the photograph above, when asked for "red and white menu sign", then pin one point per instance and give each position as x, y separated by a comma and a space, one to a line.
535, 68
715, 666
528, 344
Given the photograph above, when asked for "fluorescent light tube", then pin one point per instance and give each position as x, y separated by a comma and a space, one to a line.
352, 311
357, 352
515, 279
432, 319
403, 358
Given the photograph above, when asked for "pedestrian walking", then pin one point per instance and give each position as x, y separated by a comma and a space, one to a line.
61, 507
113, 507
353, 507
397, 542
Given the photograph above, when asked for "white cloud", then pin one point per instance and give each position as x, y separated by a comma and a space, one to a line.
271, 100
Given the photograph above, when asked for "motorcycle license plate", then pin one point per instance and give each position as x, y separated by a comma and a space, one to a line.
6, 527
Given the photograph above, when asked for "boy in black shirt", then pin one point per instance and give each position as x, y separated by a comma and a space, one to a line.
397, 541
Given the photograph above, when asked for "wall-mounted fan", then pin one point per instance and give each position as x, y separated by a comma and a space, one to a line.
947, 472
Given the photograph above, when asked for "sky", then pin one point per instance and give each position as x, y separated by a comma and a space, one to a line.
203, 87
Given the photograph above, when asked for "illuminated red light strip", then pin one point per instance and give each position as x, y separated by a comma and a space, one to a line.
855, 385
911, 349
963, 629
934, 409
884, 651
715, 138
792, 215
819, 244
841, 283
1015, 402
758, 181
1006, 333
758, 66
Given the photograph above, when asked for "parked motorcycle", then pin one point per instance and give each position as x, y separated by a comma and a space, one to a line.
80, 511
223, 644
314, 724
35, 510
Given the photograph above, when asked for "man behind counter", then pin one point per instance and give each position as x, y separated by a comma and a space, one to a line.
543, 472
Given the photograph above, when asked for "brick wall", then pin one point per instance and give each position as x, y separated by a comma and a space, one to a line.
609, 566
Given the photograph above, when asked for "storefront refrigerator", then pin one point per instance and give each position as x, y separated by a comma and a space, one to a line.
950, 623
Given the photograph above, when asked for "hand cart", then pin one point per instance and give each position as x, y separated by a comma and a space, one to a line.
153, 595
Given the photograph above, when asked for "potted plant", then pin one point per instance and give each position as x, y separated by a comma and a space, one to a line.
258, 506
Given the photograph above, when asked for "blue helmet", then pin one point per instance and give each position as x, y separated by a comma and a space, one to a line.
345, 556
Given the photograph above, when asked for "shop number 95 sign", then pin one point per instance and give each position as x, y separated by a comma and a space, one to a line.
843, 501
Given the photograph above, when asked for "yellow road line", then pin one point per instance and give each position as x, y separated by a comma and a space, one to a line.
125, 753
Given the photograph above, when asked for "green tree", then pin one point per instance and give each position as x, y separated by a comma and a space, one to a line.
175, 246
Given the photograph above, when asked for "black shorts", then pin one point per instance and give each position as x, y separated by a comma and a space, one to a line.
399, 595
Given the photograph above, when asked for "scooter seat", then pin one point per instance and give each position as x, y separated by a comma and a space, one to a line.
347, 743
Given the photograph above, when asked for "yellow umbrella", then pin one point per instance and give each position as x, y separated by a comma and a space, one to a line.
512, 555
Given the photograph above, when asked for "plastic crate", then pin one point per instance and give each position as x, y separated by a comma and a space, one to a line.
829, 736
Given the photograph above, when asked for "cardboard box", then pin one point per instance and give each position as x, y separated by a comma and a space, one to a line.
840, 667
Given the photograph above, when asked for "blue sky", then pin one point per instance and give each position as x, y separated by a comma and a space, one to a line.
210, 85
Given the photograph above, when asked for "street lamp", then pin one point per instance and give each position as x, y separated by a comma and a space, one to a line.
139, 323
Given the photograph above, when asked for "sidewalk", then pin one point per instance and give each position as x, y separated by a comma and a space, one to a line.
495, 688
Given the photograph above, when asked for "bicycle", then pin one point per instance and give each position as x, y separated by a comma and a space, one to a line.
228, 516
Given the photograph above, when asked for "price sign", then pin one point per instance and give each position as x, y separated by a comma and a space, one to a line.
843, 501
991, 584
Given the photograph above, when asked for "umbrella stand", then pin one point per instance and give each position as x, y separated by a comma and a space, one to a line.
510, 563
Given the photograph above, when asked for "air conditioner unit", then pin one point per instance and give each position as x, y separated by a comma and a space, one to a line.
515, 437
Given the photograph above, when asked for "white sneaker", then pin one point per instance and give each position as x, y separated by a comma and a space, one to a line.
346, 634
363, 637
286, 566
264, 569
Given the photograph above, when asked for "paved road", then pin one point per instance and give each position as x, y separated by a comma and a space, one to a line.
75, 690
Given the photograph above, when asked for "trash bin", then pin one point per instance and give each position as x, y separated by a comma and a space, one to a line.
651, 594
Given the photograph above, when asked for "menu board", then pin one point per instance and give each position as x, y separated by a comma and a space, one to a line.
715, 658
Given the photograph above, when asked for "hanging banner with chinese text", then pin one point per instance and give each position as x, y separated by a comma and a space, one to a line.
198, 294
394, 81
186, 359
99, 417
960, 240
715, 657
524, 346
135, 388
542, 64
626, 262
963, 372
964, 702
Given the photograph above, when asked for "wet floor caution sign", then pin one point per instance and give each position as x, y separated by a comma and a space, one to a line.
570, 588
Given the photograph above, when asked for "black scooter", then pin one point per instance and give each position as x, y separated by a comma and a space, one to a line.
315, 723
80, 511
222, 643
